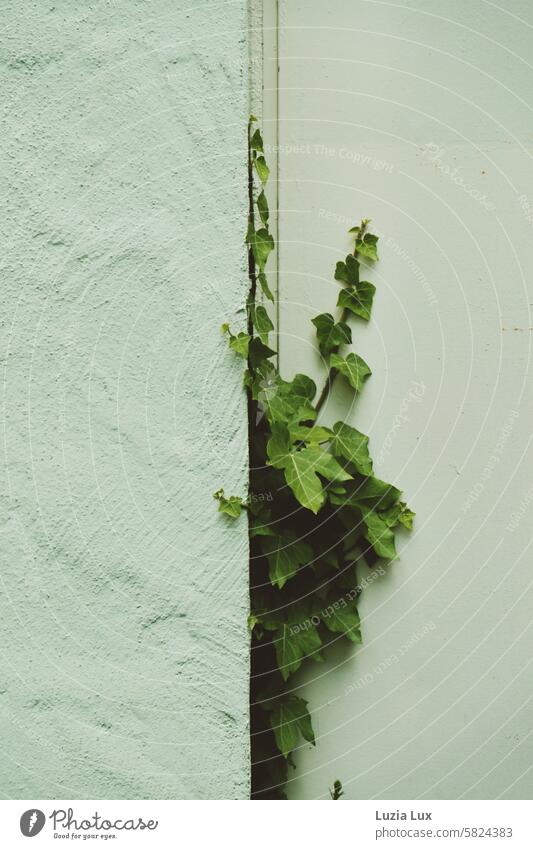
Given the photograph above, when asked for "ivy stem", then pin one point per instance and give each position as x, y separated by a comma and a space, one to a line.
333, 372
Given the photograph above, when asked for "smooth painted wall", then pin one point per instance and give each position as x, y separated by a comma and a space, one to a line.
124, 648
420, 116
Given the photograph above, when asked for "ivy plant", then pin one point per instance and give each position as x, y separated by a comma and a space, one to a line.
316, 509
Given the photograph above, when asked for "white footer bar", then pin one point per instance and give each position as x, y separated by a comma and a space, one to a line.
262, 825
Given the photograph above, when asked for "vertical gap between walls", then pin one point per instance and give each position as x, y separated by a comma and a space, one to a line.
269, 120
263, 62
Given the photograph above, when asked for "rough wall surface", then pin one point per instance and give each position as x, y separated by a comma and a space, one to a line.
124, 669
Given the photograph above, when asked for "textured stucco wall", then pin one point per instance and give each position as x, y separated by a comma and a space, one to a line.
124, 651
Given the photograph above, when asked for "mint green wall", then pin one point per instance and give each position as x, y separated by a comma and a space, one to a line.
419, 115
124, 651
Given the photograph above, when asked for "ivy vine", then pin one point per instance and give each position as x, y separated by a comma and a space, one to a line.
316, 510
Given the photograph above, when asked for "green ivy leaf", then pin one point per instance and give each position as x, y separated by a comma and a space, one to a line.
260, 527
262, 169
264, 286
258, 352
293, 644
301, 386
340, 616
285, 554
231, 506
358, 299
290, 402
262, 245
353, 367
398, 514
278, 446
353, 446
290, 719
261, 321
326, 464
368, 247
406, 517
256, 142
379, 535
301, 476
310, 435
376, 493
262, 206
330, 334
239, 343
348, 271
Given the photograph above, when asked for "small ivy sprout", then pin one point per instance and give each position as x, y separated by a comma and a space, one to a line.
336, 791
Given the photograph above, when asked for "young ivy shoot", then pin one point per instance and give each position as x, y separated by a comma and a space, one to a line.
316, 510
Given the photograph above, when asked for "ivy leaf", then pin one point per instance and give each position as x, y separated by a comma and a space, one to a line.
231, 506
285, 554
348, 271
379, 535
340, 616
353, 446
303, 387
301, 476
398, 514
375, 493
290, 719
240, 344
262, 169
358, 299
326, 464
368, 247
264, 286
262, 206
302, 468
261, 321
330, 334
278, 446
406, 517
310, 435
362, 226
290, 402
293, 644
262, 245
352, 367
258, 352
256, 142
258, 528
